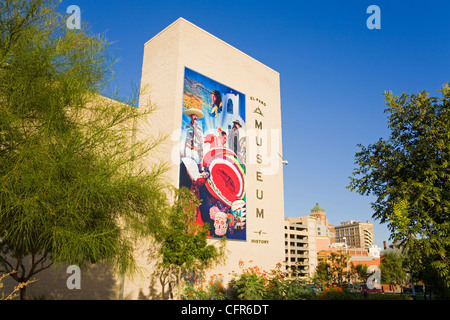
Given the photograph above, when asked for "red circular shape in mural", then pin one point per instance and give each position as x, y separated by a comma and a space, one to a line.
227, 176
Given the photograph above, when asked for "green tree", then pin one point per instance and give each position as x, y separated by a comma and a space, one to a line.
392, 268
322, 272
74, 187
409, 175
184, 247
360, 271
339, 267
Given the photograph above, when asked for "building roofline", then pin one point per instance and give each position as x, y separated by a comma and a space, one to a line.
182, 20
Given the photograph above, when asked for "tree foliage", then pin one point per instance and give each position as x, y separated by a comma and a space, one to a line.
74, 186
335, 269
339, 267
409, 174
392, 268
184, 246
322, 273
360, 272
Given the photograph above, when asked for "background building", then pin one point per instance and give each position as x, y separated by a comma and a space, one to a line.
311, 239
357, 234
369, 256
304, 237
324, 231
300, 245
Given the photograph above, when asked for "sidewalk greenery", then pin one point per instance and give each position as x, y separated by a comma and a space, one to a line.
252, 283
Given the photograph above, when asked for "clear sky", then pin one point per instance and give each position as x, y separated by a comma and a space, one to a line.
333, 72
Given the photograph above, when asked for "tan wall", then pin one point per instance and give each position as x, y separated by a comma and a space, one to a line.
97, 282
323, 243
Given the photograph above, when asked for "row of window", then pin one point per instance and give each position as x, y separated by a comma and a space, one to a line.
296, 244
298, 252
296, 228
296, 236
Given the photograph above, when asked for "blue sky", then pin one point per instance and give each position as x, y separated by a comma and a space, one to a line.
333, 72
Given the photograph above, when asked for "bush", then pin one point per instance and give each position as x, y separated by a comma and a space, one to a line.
334, 292
251, 284
199, 290
388, 296
255, 284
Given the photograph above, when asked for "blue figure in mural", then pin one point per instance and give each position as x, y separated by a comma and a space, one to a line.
216, 107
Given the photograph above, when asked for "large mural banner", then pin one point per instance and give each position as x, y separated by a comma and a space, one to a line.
213, 154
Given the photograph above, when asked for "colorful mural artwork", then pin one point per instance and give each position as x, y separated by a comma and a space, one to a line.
213, 154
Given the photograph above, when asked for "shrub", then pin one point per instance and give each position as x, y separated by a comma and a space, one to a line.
200, 290
252, 284
334, 292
